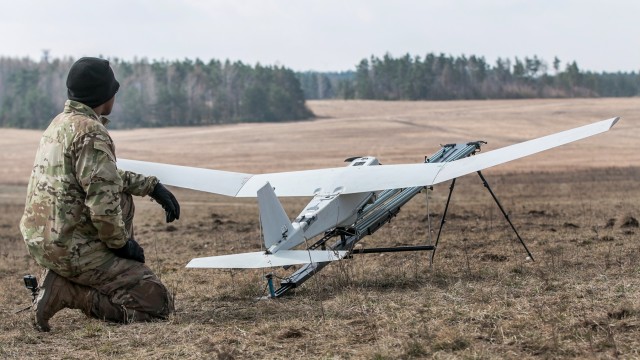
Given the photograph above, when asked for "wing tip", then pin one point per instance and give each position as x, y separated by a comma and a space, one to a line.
614, 121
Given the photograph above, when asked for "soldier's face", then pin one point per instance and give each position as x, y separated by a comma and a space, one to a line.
108, 106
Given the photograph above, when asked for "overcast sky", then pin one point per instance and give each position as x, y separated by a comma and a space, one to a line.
326, 35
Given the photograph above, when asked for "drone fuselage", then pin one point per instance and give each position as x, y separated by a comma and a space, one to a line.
325, 212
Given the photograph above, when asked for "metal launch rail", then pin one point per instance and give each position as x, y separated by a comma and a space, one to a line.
373, 216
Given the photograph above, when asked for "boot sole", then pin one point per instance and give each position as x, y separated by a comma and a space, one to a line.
40, 322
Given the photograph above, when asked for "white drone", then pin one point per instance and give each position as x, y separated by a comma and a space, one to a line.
342, 197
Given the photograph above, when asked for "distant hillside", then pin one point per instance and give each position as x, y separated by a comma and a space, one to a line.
442, 77
157, 93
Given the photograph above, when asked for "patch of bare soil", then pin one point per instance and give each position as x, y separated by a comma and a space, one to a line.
481, 298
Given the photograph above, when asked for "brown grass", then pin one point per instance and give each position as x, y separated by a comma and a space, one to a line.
480, 299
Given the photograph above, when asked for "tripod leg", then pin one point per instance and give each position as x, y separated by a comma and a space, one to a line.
506, 216
444, 219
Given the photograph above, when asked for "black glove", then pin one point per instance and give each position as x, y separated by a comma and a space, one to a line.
130, 250
169, 203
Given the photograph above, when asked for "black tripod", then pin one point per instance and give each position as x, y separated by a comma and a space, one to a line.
506, 216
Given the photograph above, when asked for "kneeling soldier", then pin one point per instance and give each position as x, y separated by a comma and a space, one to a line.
78, 218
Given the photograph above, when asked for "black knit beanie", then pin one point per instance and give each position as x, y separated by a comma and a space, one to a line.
91, 82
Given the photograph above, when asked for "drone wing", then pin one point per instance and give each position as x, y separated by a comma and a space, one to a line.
478, 162
213, 181
354, 179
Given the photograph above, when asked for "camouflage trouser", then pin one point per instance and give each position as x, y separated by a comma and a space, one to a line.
126, 290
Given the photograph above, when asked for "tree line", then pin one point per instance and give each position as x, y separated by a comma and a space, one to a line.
184, 93
157, 93
445, 77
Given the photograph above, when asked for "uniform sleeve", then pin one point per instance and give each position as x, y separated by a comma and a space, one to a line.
137, 184
96, 172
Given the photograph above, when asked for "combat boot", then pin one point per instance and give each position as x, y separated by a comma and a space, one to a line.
57, 293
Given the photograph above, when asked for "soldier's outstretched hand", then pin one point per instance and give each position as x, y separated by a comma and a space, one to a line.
168, 202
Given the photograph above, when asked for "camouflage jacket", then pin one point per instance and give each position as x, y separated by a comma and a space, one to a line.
72, 214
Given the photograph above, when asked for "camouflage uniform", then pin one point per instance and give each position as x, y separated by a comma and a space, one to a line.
74, 216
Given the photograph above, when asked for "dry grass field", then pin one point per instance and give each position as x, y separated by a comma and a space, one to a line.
574, 206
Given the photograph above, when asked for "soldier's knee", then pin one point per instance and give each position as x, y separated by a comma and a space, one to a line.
156, 299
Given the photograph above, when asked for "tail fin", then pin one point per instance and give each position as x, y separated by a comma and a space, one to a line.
276, 226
